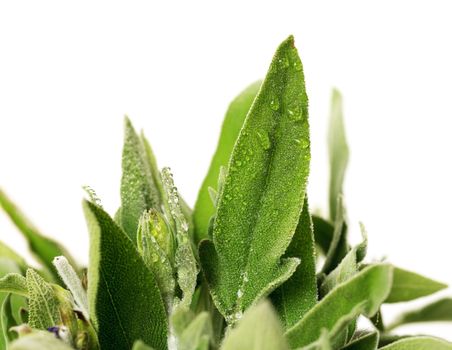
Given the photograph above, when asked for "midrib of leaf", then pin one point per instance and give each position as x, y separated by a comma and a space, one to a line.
43, 298
114, 306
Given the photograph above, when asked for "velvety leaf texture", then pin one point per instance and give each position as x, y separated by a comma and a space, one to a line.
118, 278
265, 184
298, 294
419, 343
233, 121
366, 342
371, 286
14, 283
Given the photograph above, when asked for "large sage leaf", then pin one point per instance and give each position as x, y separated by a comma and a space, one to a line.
118, 278
338, 151
366, 342
263, 194
233, 121
139, 191
440, 310
43, 248
298, 294
43, 303
419, 343
258, 330
408, 285
371, 286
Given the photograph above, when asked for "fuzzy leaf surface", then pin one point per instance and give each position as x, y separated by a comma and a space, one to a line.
265, 184
409, 285
233, 121
366, 342
259, 329
43, 248
371, 285
14, 283
338, 151
117, 278
419, 343
298, 294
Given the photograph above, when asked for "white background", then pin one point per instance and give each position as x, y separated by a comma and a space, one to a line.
69, 71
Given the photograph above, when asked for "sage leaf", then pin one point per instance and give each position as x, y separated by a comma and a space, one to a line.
338, 151
8, 320
185, 261
371, 285
196, 333
43, 303
366, 342
298, 294
338, 247
439, 310
150, 238
73, 283
14, 283
323, 233
43, 248
265, 184
118, 277
347, 268
7, 253
259, 329
139, 345
408, 286
323, 343
419, 343
233, 121
138, 187
41, 340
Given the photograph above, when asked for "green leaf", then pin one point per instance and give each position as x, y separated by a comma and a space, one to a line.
408, 285
43, 303
139, 191
185, 261
437, 311
8, 320
338, 248
139, 345
43, 248
265, 184
338, 151
347, 268
298, 294
7, 252
41, 340
118, 278
197, 331
233, 121
323, 233
371, 285
150, 232
366, 342
259, 329
419, 343
14, 283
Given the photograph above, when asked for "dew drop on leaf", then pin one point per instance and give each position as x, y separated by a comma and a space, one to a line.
295, 112
264, 140
274, 103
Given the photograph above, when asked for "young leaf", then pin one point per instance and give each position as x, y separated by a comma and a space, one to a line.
259, 329
419, 343
338, 151
366, 342
43, 304
44, 249
14, 283
138, 188
347, 268
139, 345
41, 340
233, 121
186, 265
265, 184
8, 320
197, 331
73, 283
440, 310
408, 285
117, 278
298, 294
371, 286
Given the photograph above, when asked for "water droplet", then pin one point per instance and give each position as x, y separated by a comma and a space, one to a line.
239, 293
264, 140
303, 142
274, 103
295, 112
